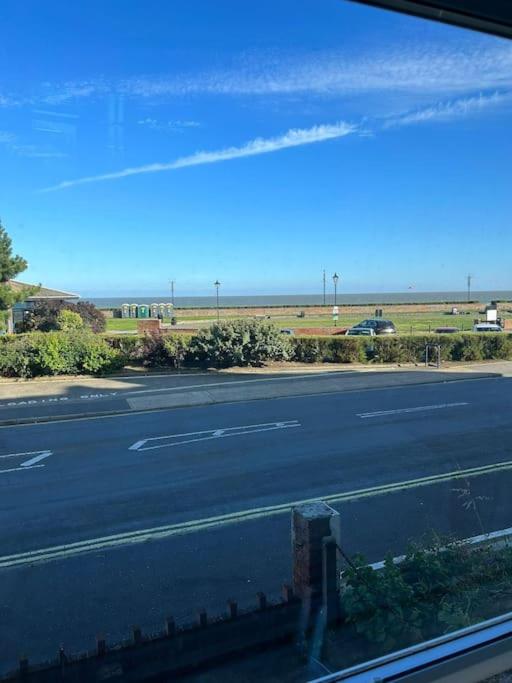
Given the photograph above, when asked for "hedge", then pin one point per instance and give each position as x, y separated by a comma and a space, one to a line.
56, 353
398, 349
78, 352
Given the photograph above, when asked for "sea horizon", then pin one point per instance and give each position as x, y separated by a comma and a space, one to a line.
233, 301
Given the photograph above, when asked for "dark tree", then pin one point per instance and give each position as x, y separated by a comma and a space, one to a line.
43, 316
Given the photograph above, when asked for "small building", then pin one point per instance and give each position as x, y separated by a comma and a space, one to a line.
41, 294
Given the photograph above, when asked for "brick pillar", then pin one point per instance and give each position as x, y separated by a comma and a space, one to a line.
315, 567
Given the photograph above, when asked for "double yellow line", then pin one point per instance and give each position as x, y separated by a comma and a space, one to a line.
58, 552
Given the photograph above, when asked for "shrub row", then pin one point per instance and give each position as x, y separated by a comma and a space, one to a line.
56, 353
235, 343
397, 349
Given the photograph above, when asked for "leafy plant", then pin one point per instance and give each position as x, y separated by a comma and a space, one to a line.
44, 317
439, 586
69, 320
240, 342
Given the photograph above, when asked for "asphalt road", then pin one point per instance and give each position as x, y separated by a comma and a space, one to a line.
107, 522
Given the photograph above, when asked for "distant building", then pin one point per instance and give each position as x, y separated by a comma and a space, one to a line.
20, 309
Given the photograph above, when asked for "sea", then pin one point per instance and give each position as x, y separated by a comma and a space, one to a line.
257, 301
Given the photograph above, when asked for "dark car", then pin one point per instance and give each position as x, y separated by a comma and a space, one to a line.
378, 326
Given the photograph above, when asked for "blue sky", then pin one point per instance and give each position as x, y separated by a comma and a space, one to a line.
256, 143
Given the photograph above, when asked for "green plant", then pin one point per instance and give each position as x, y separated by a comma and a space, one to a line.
306, 349
240, 342
178, 348
69, 320
436, 587
53, 353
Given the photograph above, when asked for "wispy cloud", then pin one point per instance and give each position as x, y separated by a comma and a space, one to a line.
295, 137
435, 69
469, 66
172, 126
451, 110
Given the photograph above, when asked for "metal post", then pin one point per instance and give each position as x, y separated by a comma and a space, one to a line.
172, 292
217, 285
324, 289
335, 279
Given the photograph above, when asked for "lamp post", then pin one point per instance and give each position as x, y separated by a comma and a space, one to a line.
216, 284
335, 279
172, 292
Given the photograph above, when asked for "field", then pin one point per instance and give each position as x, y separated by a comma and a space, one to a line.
406, 323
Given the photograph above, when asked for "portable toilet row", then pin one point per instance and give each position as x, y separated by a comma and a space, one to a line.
162, 310
144, 311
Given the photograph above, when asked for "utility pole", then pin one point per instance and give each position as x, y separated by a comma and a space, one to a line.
469, 278
324, 287
172, 292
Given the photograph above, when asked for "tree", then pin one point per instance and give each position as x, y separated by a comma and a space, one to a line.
10, 267
44, 316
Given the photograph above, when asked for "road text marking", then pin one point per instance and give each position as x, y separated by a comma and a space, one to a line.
209, 434
418, 409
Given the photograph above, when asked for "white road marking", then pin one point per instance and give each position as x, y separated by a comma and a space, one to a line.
209, 434
37, 458
196, 525
136, 392
418, 409
27, 464
293, 397
20, 469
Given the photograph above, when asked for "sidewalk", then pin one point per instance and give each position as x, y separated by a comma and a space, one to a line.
64, 398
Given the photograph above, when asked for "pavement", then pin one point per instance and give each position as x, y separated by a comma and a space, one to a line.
61, 398
114, 521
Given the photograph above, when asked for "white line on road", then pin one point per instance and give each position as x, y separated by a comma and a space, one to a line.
196, 525
20, 455
122, 393
27, 464
418, 409
37, 458
210, 434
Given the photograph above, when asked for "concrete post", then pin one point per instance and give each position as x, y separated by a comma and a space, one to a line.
311, 524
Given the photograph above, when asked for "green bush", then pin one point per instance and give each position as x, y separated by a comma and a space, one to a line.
240, 342
436, 588
306, 349
68, 321
127, 344
402, 349
55, 353
177, 347
346, 350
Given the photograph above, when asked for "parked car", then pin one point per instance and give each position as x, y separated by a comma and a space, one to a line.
363, 331
378, 326
446, 330
487, 327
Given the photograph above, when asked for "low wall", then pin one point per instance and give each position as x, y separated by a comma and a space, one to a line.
176, 650
318, 331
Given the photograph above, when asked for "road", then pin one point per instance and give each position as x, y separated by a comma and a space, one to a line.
113, 521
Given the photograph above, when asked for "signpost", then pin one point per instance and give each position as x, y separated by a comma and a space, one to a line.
335, 314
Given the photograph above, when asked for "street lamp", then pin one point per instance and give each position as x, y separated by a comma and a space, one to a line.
216, 284
335, 279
